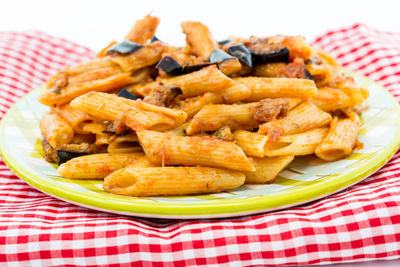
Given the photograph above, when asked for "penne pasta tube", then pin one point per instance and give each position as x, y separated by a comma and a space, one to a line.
162, 148
297, 144
71, 91
145, 56
235, 93
159, 181
198, 39
103, 52
192, 105
357, 95
137, 114
96, 74
56, 131
302, 118
292, 102
267, 169
212, 117
230, 66
143, 29
341, 138
97, 166
75, 118
97, 63
277, 87
298, 47
330, 99
104, 139
208, 79
125, 144
269, 70
253, 144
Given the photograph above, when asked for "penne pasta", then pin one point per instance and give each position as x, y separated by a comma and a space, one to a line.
125, 144
253, 144
97, 166
302, 118
267, 169
162, 148
137, 114
167, 181
208, 79
330, 99
56, 131
298, 144
75, 118
212, 117
277, 87
143, 29
198, 39
341, 138
68, 93
145, 56
192, 105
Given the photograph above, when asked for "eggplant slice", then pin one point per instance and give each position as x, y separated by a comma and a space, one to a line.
123, 48
170, 66
242, 53
279, 55
65, 155
224, 42
126, 94
219, 56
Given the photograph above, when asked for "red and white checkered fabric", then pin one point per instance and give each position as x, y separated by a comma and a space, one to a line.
359, 224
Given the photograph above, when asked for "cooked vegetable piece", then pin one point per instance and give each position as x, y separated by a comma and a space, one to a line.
154, 39
170, 66
124, 47
279, 55
224, 42
192, 68
125, 93
219, 56
65, 155
242, 53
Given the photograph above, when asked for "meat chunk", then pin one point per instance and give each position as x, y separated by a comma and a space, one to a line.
49, 153
296, 69
224, 133
162, 95
270, 108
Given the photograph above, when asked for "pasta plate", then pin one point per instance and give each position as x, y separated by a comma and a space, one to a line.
306, 179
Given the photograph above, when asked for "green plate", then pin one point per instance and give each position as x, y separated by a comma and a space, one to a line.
305, 179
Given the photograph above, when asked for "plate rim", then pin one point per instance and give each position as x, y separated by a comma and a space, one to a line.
211, 209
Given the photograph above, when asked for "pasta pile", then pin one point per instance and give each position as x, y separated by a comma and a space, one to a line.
154, 119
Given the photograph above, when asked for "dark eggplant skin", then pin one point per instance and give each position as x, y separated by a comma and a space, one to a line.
192, 68
65, 155
126, 94
154, 39
123, 48
176, 90
173, 68
219, 55
170, 66
280, 55
242, 53
307, 74
224, 42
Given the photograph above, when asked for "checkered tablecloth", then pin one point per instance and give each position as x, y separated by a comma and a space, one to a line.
361, 223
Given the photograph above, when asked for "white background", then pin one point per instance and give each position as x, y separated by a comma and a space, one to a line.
96, 23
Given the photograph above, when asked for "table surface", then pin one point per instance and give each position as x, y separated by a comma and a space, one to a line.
96, 23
